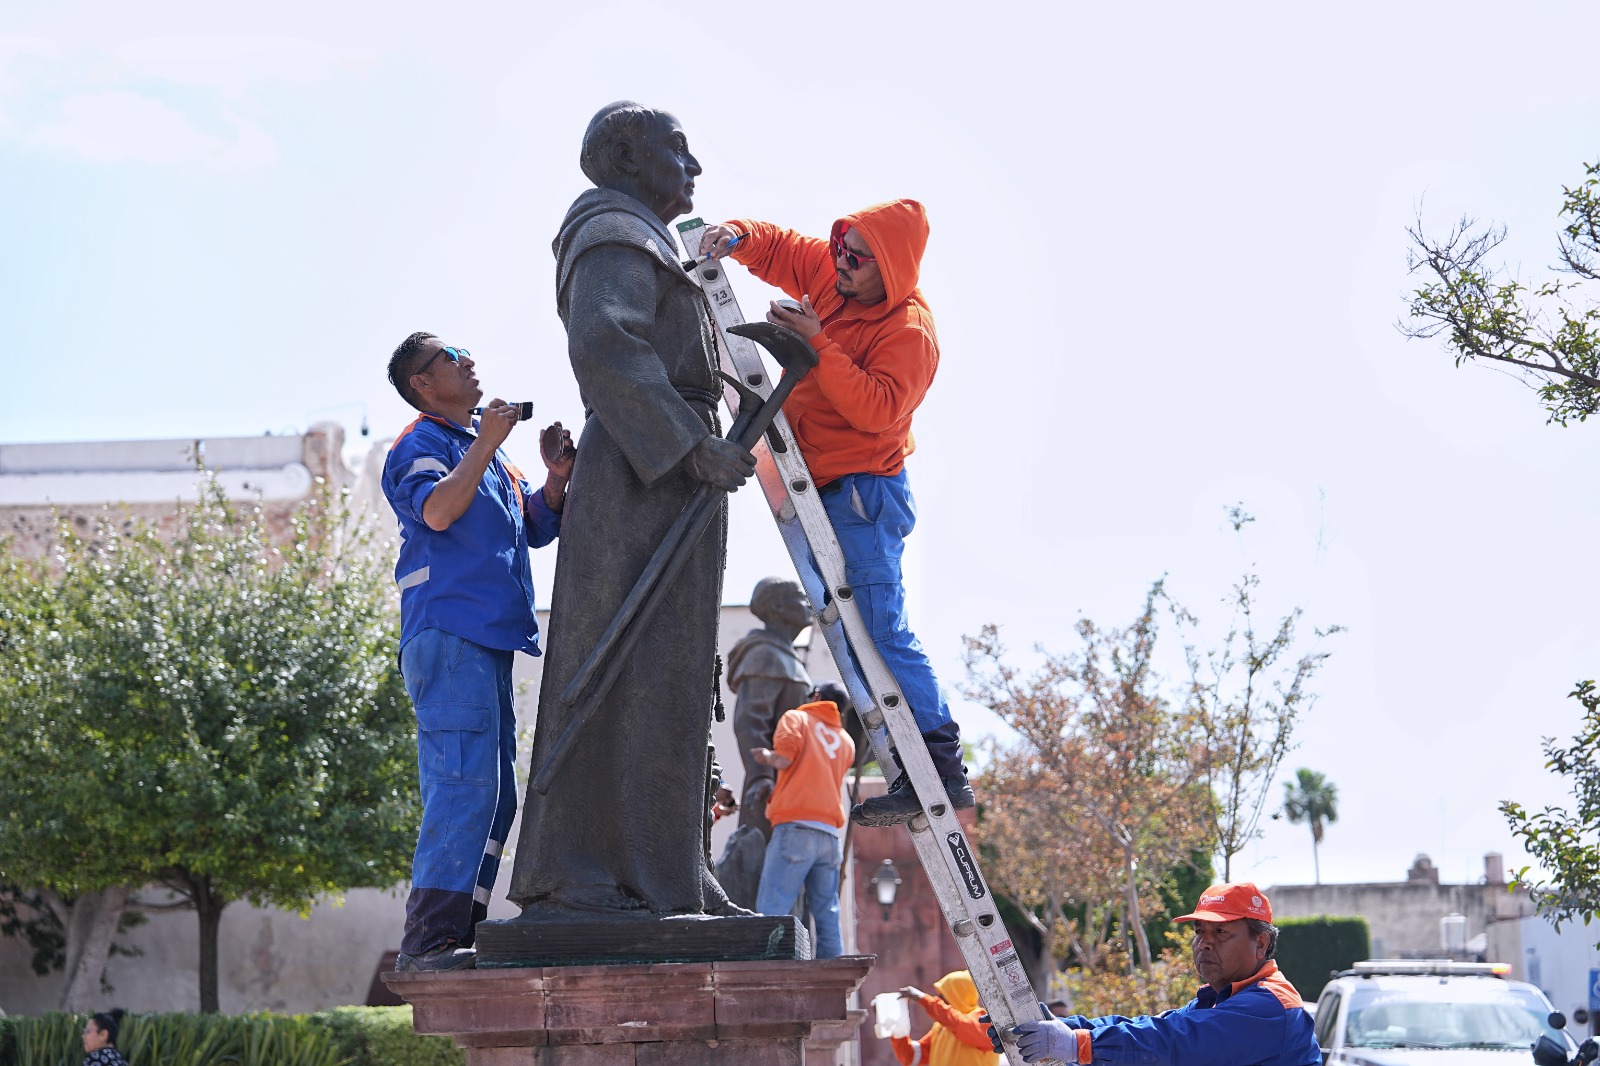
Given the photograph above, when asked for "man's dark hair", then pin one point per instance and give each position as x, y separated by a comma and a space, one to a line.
403, 363
828, 690
110, 1023
1257, 927
623, 120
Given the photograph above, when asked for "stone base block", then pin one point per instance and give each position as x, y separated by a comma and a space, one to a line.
524, 942
763, 1013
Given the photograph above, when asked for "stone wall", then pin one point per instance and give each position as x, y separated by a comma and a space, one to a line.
1404, 916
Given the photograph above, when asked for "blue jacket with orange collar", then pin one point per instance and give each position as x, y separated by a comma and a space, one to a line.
1255, 1022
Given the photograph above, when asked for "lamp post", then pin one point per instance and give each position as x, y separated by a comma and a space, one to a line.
886, 882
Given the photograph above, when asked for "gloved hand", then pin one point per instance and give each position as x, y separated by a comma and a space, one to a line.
1052, 1039
994, 1035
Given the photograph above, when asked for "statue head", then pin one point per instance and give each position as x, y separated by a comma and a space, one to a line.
644, 153
781, 605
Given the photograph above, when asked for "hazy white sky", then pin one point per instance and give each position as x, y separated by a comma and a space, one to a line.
1166, 264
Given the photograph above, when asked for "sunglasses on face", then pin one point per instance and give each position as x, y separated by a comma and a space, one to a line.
839, 249
453, 354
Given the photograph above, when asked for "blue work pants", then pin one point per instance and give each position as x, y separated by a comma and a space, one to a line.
804, 855
872, 515
466, 751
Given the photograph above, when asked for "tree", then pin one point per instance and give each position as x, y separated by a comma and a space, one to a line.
1100, 799
1566, 845
1313, 799
1550, 333
218, 715
1246, 697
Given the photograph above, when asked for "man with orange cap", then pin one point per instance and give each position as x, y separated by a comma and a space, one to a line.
877, 351
1246, 1014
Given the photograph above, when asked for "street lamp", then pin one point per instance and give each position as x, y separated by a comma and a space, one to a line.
886, 882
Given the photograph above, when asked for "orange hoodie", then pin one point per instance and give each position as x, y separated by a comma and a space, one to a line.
852, 414
820, 753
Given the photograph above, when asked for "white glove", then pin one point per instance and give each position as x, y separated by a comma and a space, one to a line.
1052, 1039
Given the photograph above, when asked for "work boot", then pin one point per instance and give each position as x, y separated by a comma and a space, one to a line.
900, 804
448, 956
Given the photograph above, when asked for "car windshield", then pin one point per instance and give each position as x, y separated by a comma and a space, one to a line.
1449, 1014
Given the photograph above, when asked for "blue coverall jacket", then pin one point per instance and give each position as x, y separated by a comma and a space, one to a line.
1255, 1022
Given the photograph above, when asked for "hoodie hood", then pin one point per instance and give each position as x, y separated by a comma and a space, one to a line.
897, 233
958, 990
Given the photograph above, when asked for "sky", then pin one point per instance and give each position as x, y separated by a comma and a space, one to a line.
1168, 257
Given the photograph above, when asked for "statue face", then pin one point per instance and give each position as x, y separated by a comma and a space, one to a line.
665, 178
790, 607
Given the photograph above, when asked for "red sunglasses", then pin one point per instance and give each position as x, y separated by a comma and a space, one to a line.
837, 246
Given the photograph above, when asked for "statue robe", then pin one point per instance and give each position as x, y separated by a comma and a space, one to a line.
621, 828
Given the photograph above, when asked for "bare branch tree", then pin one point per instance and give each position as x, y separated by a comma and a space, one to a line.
1550, 333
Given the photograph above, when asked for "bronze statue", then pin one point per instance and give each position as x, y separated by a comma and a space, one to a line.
768, 679
620, 831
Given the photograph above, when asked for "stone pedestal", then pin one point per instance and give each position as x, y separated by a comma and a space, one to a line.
664, 1014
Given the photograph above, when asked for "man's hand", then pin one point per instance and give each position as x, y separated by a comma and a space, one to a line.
715, 240
804, 322
494, 425
723, 803
1052, 1039
911, 992
720, 462
768, 757
557, 450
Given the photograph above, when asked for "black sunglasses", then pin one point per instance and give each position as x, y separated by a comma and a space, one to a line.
452, 354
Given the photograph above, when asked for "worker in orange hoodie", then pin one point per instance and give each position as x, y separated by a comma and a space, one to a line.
861, 310
811, 752
957, 1037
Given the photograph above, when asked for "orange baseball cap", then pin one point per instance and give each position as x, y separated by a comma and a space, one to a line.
1230, 902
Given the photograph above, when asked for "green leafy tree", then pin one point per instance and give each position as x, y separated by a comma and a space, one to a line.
1566, 844
217, 714
1313, 799
1548, 331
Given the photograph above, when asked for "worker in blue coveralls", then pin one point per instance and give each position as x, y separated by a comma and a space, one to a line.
467, 520
1246, 1014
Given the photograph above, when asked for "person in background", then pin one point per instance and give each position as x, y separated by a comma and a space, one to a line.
957, 1038
811, 752
100, 1039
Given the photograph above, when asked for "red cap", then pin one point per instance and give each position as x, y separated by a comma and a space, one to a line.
1227, 903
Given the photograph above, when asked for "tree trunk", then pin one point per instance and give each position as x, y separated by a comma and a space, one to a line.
1135, 918
1316, 861
208, 905
91, 925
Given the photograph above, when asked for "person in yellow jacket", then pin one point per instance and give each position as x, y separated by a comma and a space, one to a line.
957, 1037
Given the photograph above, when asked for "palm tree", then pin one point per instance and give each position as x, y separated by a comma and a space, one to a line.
1313, 799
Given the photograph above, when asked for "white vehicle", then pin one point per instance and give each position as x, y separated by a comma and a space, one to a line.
1403, 1012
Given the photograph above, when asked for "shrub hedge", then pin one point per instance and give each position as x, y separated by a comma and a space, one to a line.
1312, 949
347, 1036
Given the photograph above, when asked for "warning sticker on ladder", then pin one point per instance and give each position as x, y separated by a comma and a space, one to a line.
1018, 987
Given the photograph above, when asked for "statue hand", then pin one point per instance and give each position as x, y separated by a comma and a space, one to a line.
720, 462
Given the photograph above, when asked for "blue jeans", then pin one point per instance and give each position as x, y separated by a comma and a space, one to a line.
801, 855
871, 516
466, 753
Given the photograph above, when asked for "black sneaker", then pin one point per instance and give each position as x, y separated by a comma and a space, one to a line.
900, 804
450, 956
